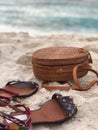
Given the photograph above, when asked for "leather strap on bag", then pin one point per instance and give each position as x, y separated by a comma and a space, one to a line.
90, 58
43, 85
75, 78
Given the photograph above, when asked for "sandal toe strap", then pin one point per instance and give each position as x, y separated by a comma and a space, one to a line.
66, 103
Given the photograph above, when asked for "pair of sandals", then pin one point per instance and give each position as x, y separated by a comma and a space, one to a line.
58, 109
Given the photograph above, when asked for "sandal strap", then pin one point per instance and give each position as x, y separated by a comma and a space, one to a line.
35, 85
2, 126
26, 124
11, 118
11, 127
9, 92
66, 103
11, 82
18, 81
5, 99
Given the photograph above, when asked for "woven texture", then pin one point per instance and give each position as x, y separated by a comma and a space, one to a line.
60, 56
57, 63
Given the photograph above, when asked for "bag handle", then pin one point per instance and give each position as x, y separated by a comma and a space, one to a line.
75, 78
90, 58
50, 88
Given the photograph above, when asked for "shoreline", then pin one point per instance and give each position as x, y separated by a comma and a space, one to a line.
25, 33
40, 34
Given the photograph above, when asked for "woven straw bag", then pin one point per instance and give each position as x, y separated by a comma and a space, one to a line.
62, 64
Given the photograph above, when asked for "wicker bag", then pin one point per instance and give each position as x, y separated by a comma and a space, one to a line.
62, 64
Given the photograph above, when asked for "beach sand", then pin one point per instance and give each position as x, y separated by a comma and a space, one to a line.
15, 64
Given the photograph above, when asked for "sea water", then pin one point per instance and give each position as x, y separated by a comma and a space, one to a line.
40, 17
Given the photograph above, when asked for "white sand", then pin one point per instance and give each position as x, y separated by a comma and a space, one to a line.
15, 64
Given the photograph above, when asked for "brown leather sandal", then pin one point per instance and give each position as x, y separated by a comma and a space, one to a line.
57, 110
19, 89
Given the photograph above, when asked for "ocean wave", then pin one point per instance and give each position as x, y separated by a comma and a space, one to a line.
33, 12
27, 15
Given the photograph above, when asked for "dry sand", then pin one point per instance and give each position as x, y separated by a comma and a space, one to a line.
15, 64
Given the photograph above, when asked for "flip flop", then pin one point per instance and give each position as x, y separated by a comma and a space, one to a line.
19, 89
15, 123
57, 110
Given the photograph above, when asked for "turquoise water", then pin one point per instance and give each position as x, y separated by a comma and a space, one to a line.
49, 16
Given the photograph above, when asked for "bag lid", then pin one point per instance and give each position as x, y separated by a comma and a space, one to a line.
60, 56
